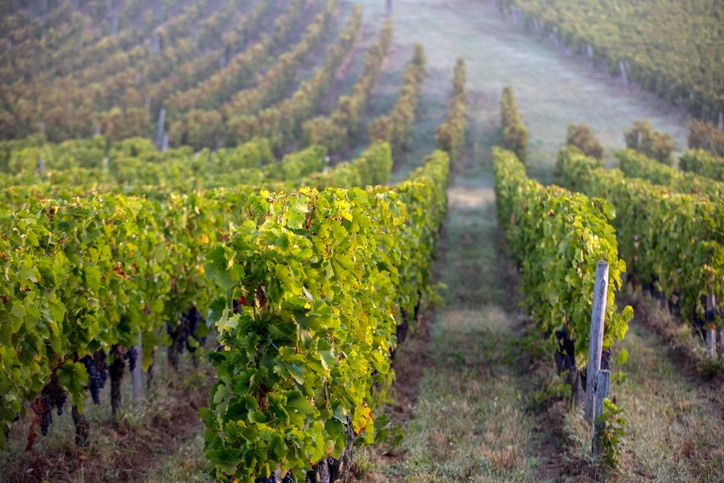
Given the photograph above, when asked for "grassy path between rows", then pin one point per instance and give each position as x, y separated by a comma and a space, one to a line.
466, 390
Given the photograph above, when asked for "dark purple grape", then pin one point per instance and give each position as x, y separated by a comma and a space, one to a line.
288, 478
45, 419
96, 378
54, 396
131, 355
99, 359
60, 401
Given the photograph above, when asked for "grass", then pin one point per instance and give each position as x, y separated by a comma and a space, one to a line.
675, 430
470, 420
553, 88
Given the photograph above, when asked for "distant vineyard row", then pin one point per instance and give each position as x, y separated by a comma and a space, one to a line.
672, 48
205, 56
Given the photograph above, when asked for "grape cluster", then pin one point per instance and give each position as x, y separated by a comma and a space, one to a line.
188, 325
193, 319
97, 374
53, 396
131, 355
288, 478
45, 419
269, 479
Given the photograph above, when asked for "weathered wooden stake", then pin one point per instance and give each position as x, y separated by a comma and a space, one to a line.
164, 143
159, 131
711, 333
114, 25
595, 342
603, 387
622, 68
137, 374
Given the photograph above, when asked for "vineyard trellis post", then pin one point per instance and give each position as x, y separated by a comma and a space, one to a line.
711, 333
603, 386
595, 343
160, 129
137, 373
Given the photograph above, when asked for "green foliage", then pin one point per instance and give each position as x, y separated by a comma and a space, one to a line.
581, 136
396, 128
77, 75
296, 165
706, 136
557, 237
281, 124
612, 432
674, 241
703, 163
197, 128
515, 134
637, 165
282, 75
450, 135
657, 145
87, 274
556, 389
271, 88
124, 123
318, 277
239, 73
336, 130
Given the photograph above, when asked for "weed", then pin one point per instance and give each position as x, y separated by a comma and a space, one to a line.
610, 431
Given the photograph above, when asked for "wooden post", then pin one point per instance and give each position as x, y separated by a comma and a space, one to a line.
164, 143
711, 333
622, 68
137, 374
595, 342
603, 386
159, 131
